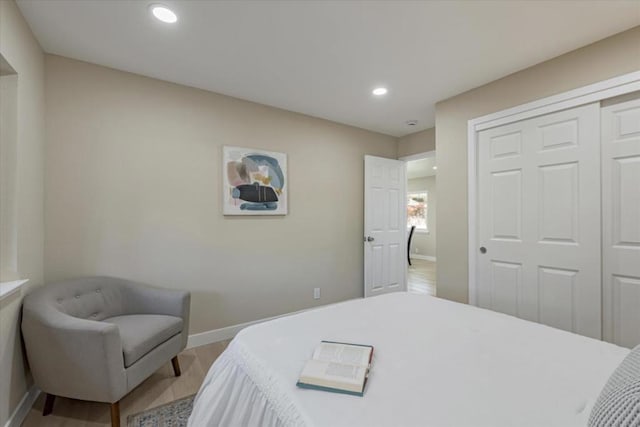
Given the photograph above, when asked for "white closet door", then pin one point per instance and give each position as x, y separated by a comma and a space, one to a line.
621, 222
539, 220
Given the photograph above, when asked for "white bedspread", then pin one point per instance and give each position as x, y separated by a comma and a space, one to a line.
436, 363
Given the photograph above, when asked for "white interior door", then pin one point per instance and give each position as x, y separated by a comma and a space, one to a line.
621, 222
539, 220
385, 226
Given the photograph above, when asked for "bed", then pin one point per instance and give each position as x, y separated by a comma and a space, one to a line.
436, 363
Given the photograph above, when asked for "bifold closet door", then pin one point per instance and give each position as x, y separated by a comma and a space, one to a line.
621, 222
539, 220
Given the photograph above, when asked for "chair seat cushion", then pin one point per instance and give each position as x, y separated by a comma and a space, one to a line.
141, 333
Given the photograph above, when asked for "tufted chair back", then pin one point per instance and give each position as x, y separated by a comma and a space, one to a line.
94, 298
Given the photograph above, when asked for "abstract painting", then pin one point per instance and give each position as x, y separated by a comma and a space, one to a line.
255, 182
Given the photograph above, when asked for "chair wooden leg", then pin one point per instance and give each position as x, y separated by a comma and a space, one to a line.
176, 366
48, 404
115, 414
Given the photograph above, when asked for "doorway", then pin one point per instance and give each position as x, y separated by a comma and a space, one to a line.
421, 200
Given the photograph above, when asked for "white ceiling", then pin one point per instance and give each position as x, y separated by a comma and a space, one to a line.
322, 58
421, 168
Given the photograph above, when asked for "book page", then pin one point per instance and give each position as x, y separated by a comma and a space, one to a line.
334, 374
349, 372
343, 353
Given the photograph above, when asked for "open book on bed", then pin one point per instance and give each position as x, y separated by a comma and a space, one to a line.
338, 367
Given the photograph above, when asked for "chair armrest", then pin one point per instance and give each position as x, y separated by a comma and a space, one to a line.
74, 357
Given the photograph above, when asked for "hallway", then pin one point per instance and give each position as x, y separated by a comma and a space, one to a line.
422, 277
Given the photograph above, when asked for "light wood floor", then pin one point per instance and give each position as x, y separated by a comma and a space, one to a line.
162, 387
422, 277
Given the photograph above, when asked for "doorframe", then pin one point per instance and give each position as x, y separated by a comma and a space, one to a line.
621, 85
418, 156
405, 159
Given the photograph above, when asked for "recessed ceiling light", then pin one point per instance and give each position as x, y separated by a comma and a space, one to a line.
435, 168
411, 122
379, 91
163, 13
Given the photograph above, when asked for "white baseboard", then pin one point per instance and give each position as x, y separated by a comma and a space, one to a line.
425, 257
20, 413
215, 335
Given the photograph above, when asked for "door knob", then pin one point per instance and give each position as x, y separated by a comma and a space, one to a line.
370, 239
483, 250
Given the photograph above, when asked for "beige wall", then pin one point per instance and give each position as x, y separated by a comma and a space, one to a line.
425, 243
20, 49
416, 143
608, 58
8, 163
133, 189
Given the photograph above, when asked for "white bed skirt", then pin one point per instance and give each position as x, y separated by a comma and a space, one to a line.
232, 398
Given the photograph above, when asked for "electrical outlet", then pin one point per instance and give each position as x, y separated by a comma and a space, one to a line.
316, 293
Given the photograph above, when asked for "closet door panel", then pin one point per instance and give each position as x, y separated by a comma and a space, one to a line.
626, 311
625, 180
621, 222
539, 220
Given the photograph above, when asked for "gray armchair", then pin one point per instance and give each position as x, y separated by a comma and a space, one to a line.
97, 338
